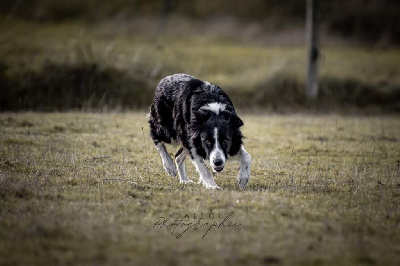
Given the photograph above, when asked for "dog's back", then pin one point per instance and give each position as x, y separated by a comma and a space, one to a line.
170, 86
161, 111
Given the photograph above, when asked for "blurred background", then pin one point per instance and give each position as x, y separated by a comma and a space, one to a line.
98, 55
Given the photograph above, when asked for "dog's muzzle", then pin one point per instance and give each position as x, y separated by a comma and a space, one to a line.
218, 165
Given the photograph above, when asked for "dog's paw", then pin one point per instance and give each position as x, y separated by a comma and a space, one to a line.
210, 185
243, 176
242, 182
170, 167
188, 181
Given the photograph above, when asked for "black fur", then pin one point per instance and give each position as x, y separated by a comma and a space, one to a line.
175, 115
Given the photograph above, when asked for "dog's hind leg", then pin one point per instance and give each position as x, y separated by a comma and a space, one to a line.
206, 177
167, 161
180, 157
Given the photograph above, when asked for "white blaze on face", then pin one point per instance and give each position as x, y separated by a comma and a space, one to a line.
214, 107
217, 153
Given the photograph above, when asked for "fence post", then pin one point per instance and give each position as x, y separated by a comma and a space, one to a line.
312, 32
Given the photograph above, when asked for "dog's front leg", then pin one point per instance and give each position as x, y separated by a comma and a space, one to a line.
206, 177
180, 157
167, 161
244, 168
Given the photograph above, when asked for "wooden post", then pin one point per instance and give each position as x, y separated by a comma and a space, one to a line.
312, 28
164, 16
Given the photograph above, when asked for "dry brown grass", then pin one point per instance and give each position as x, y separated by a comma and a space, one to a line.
81, 188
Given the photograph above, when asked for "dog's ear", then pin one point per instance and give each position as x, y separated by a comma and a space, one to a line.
233, 119
201, 117
236, 121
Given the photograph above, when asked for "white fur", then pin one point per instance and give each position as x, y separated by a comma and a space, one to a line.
206, 177
217, 152
180, 165
167, 161
244, 168
214, 107
208, 84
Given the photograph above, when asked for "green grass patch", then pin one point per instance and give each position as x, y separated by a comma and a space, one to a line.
87, 188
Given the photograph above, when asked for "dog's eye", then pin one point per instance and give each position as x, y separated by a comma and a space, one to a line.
207, 142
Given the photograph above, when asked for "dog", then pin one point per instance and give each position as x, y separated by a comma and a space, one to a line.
200, 118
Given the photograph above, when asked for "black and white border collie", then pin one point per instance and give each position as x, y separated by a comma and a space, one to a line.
198, 116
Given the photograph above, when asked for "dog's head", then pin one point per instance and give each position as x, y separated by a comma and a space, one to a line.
214, 135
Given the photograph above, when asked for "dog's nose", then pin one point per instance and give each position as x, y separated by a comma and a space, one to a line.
218, 162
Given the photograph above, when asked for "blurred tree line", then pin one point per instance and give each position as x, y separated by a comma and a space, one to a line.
368, 20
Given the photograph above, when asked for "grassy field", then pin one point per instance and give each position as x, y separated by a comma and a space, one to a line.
88, 188
83, 66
